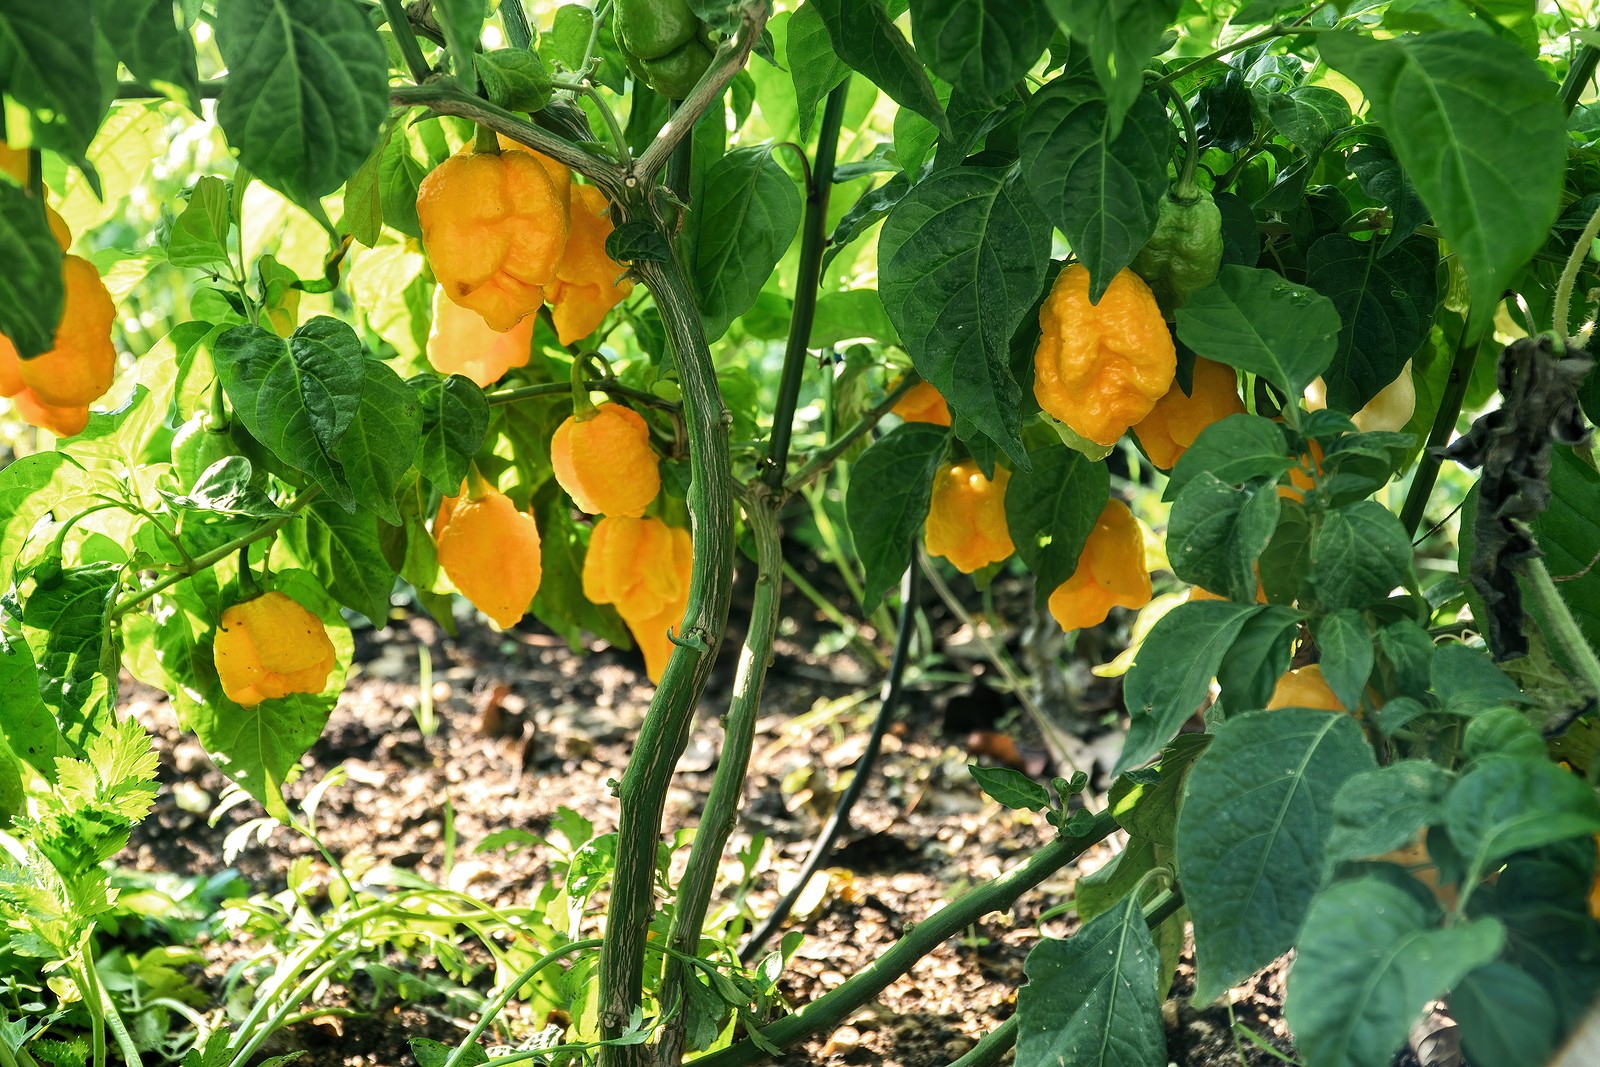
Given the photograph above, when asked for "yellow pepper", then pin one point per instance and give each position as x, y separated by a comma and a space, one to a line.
490, 551
460, 342
605, 463
1177, 419
1100, 368
967, 517
54, 390
641, 566
1303, 687
1111, 572
494, 226
923, 403
589, 283
269, 647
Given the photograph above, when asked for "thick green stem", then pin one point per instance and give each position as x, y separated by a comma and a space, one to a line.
991, 1047
1444, 424
813, 239
665, 731
445, 98
515, 20
1569, 275
1560, 625
727, 787
834, 1007
1579, 74
406, 39
215, 556
839, 821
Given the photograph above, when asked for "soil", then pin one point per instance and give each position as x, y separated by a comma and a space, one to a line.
525, 727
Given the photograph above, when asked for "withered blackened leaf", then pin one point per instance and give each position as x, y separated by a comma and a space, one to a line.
1539, 386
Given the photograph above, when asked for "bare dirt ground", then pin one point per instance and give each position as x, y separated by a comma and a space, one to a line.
527, 727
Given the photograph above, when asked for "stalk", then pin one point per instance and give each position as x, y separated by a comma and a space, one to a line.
727, 787
406, 39
888, 703
833, 1008
1444, 424
813, 239
665, 731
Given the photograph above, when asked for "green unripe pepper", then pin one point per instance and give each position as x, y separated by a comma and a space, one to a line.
663, 44
1185, 251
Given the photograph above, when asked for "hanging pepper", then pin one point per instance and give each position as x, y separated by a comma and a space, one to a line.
1111, 572
1185, 251
664, 44
1178, 417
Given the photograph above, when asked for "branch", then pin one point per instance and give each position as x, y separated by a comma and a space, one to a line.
394, 13
888, 704
446, 98
665, 731
209, 90
598, 385
1444, 424
830, 455
729, 61
808, 278
727, 788
835, 1007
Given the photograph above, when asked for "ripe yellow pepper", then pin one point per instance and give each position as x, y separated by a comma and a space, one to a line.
923, 403
967, 517
1111, 572
54, 390
490, 551
269, 647
641, 566
1100, 368
605, 462
589, 283
1177, 419
1303, 688
460, 342
1389, 410
494, 226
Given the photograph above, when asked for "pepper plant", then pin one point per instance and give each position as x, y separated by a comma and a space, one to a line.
1260, 260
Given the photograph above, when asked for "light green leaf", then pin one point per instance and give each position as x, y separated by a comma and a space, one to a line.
50, 66
1479, 130
1366, 966
462, 23
1010, 787
455, 418
199, 236
813, 64
307, 93
1256, 816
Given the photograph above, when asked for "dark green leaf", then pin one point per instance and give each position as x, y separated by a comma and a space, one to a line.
1358, 555
226, 487
751, 213
961, 260
1102, 981
1386, 300
1370, 959
1172, 673
1257, 659
308, 91
1347, 656
32, 293
1382, 179
48, 63
297, 396
1506, 1017
1382, 810
638, 241
1477, 126
381, 443
1504, 805
344, 553
1467, 681
1150, 812
156, 49
887, 502
1051, 510
1012, 788
1102, 190
861, 216
1121, 38
1216, 534
985, 46
1254, 319
1235, 450
865, 37
1255, 822
455, 418
28, 726
1569, 533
